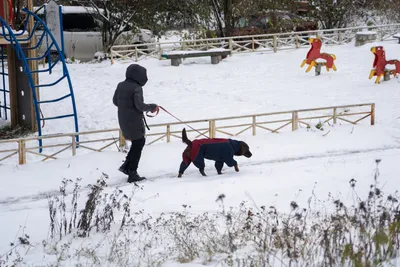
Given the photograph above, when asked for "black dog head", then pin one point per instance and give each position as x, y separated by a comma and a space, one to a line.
244, 150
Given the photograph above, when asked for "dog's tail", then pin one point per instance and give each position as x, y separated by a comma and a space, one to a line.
185, 139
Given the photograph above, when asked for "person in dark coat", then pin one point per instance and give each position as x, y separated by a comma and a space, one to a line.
128, 97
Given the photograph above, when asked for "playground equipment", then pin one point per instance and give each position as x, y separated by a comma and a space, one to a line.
19, 49
315, 53
379, 66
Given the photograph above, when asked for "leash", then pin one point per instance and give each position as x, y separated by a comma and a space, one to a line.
172, 115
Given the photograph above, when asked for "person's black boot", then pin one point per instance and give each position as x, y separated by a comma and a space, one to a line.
134, 177
124, 168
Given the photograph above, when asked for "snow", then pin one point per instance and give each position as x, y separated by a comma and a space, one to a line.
4, 31
73, 10
3, 122
397, 35
183, 52
366, 32
285, 166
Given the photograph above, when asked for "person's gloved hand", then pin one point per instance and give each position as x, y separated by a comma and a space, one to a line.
156, 108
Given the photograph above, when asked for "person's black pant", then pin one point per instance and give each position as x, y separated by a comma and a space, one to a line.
134, 154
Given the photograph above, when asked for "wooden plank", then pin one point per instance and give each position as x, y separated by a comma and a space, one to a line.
201, 134
286, 124
305, 123
235, 126
47, 146
12, 83
373, 114
242, 131
353, 114
366, 116
223, 132
276, 121
161, 137
331, 118
186, 54
33, 65
9, 156
110, 144
22, 152
3, 41
95, 141
8, 150
41, 154
52, 155
89, 148
265, 128
346, 120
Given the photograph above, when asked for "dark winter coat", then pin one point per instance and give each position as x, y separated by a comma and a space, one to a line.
128, 97
218, 149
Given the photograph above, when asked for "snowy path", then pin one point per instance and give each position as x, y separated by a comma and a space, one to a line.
274, 183
193, 172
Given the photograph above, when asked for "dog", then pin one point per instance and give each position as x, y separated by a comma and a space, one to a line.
217, 149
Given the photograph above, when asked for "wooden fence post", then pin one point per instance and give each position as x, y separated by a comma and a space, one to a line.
275, 44
160, 51
22, 152
372, 114
136, 54
111, 57
122, 140
252, 44
168, 133
73, 145
334, 115
231, 45
211, 128
297, 41
295, 120
254, 125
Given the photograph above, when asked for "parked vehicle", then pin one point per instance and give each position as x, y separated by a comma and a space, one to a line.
83, 36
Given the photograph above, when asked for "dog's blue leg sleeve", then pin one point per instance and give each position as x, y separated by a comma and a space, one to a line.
218, 165
230, 162
183, 167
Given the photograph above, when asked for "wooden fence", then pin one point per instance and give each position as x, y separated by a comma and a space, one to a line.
253, 43
227, 126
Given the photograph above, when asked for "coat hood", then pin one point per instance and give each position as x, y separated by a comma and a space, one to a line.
137, 74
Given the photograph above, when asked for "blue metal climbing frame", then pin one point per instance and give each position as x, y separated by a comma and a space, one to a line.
51, 45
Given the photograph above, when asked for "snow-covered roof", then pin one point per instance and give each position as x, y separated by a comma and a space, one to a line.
73, 10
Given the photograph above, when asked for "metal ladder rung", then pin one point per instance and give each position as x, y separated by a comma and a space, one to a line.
57, 117
54, 100
50, 68
51, 84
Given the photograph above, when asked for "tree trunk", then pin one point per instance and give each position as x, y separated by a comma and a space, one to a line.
217, 12
228, 10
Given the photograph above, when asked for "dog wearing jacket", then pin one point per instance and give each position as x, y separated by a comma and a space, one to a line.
217, 149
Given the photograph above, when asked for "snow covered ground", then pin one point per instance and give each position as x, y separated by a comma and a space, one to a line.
285, 166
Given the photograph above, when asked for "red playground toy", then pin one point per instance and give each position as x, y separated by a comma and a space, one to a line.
315, 53
379, 67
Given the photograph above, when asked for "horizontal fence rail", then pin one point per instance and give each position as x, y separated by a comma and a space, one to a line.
252, 43
273, 122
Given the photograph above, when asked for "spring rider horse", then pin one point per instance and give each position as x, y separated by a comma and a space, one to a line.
379, 66
315, 53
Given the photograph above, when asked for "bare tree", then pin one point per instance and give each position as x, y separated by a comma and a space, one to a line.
333, 13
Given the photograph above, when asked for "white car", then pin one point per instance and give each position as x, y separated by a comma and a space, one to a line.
83, 36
